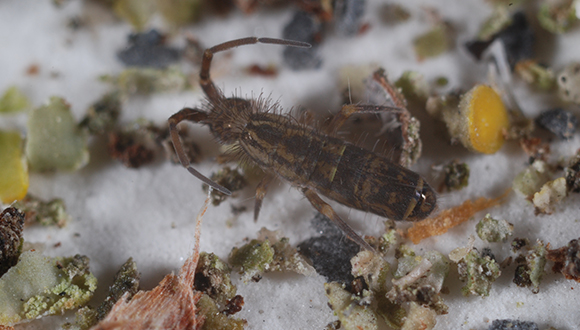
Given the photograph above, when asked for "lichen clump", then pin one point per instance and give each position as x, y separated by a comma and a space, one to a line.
46, 213
492, 230
38, 286
478, 270
269, 252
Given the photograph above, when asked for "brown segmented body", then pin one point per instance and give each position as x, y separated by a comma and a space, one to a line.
350, 175
308, 158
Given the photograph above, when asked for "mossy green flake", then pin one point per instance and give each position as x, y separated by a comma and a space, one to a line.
13, 100
54, 141
38, 286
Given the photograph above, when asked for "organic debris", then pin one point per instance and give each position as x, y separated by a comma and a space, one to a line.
456, 176
479, 271
558, 16
536, 75
352, 314
38, 286
531, 180
102, 115
46, 213
134, 144
399, 127
530, 269
126, 280
420, 279
170, 305
573, 174
552, 193
212, 277
567, 260
450, 218
11, 225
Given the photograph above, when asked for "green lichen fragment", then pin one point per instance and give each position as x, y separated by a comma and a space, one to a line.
54, 141
551, 194
126, 280
38, 286
252, 259
456, 176
212, 277
147, 81
558, 16
538, 76
492, 230
46, 213
13, 100
352, 315
214, 318
270, 252
413, 86
14, 170
420, 279
499, 19
530, 180
102, 115
135, 12
413, 146
530, 270
434, 42
180, 12
74, 289
229, 178
479, 272
391, 236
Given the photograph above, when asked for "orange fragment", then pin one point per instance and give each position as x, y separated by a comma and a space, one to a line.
450, 218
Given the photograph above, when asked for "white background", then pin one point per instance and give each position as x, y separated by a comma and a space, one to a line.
148, 213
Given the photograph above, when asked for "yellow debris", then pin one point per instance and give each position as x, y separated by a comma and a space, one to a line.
487, 119
13, 171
